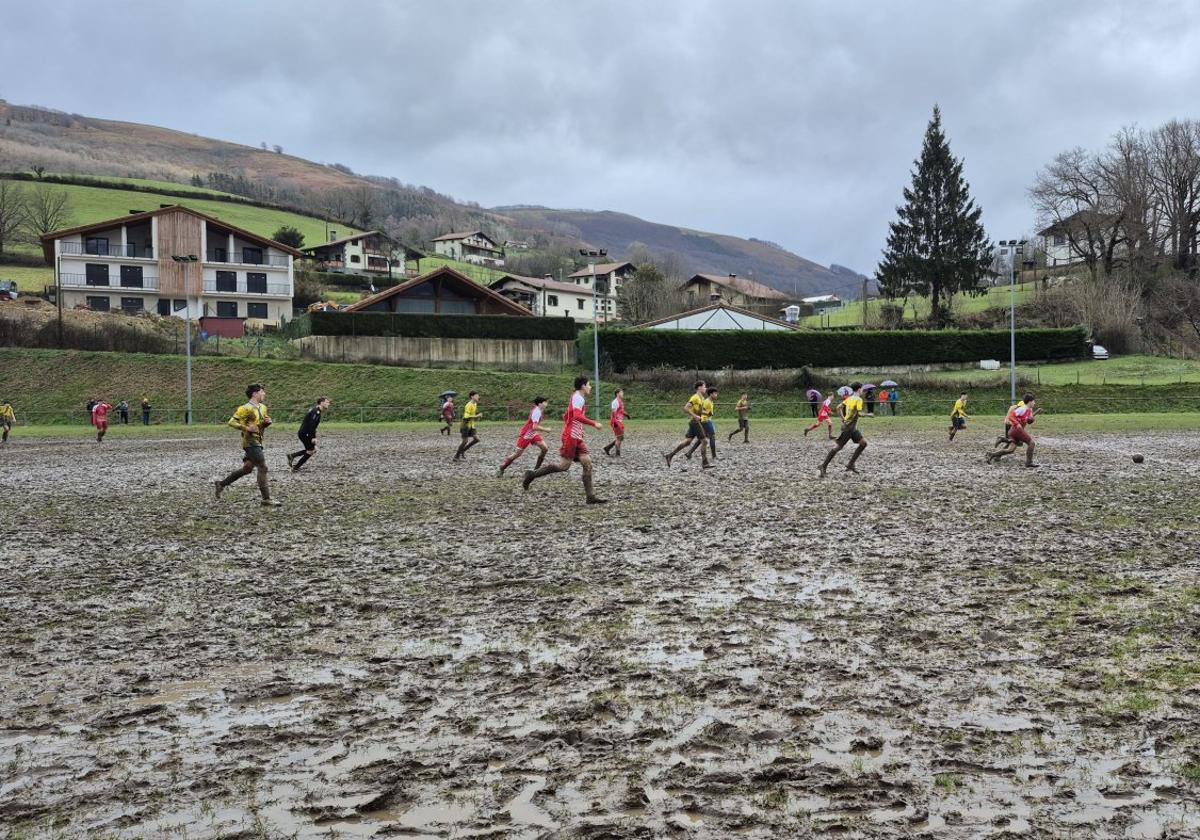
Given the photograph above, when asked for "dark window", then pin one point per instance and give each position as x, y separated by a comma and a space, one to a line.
256, 282
354, 258
97, 245
579, 303
164, 306
1060, 239
131, 276
552, 300
99, 304
179, 305
133, 304
97, 275
219, 255
227, 309
226, 281
252, 256
256, 310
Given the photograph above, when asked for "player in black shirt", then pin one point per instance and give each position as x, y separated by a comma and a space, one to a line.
308, 435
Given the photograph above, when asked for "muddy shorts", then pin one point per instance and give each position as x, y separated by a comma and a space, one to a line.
618, 428
849, 433
524, 441
1017, 434
468, 433
255, 455
310, 442
958, 422
743, 422
572, 449
695, 430
710, 428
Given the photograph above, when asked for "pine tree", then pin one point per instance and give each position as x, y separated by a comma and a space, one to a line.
937, 246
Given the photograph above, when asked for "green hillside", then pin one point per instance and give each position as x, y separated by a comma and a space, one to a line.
918, 308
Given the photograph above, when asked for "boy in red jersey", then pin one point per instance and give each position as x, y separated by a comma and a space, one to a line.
100, 419
1019, 416
573, 448
824, 415
447, 416
530, 434
616, 421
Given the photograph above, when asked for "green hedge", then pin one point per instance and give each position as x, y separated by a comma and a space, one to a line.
438, 326
742, 350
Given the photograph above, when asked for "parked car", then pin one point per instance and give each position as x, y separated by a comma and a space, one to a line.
1099, 353
8, 290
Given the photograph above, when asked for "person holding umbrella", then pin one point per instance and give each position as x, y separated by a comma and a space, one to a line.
447, 398
868, 395
893, 394
814, 400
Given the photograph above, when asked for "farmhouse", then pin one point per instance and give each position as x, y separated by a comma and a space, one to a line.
717, 315
442, 291
130, 263
746, 294
609, 279
473, 246
370, 253
546, 296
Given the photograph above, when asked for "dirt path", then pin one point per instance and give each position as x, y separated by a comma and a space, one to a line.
417, 649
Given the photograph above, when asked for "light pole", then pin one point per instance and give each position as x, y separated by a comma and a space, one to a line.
185, 260
1018, 248
591, 254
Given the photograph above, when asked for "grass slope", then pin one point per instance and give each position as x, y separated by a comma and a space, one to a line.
918, 308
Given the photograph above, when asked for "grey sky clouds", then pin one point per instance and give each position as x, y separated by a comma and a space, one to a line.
790, 121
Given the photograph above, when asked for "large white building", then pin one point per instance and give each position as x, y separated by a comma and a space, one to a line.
472, 246
609, 276
129, 264
547, 296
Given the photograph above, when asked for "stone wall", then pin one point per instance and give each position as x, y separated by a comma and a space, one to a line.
497, 353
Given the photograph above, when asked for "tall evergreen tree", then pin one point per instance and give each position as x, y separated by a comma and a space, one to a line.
936, 246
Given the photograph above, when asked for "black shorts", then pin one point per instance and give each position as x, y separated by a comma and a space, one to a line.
958, 422
468, 433
309, 441
849, 433
6, 424
695, 430
743, 422
255, 455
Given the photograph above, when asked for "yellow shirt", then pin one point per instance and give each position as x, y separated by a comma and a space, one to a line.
696, 405
6, 413
250, 414
742, 406
960, 409
707, 408
852, 407
470, 415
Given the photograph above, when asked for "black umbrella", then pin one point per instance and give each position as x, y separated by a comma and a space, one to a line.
445, 394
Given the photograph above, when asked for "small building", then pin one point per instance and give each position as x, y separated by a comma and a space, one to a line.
823, 303
717, 315
546, 296
472, 246
371, 254
610, 276
130, 263
737, 291
442, 291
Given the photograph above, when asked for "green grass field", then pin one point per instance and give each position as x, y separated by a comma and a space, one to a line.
478, 273
1119, 370
29, 278
918, 308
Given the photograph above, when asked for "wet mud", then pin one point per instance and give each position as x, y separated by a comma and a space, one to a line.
412, 648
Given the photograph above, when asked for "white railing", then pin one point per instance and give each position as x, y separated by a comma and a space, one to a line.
80, 281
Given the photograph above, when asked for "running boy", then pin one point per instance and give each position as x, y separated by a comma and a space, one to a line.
824, 415
694, 409
1019, 416
251, 420
742, 408
447, 416
530, 434
100, 418
958, 415
308, 435
573, 448
850, 410
469, 436
7, 418
706, 422
616, 421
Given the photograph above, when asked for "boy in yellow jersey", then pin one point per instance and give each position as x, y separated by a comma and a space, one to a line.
742, 408
706, 421
694, 409
251, 420
958, 414
7, 418
471, 415
850, 410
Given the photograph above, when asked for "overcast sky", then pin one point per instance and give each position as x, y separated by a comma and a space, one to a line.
791, 121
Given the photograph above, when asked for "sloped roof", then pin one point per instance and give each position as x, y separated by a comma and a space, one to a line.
307, 249
445, 273
602, 268
713, 307
463, 235
48, 239
542, 283
747, 287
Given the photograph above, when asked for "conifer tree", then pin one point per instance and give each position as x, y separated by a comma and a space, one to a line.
937, 246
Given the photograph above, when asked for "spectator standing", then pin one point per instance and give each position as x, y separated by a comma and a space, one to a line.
90, 405
123, 411
893, 399
145, 411
814, 400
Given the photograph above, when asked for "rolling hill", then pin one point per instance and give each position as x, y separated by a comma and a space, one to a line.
71, 143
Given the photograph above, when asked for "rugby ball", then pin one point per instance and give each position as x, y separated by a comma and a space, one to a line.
1137, 459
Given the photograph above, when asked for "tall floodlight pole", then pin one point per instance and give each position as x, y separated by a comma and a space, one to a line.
591, 254
1018, 248
185, 261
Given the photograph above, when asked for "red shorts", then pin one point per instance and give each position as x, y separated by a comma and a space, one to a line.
523, 442
102, 425
822, 417
572, 448
1019, 435
618, 428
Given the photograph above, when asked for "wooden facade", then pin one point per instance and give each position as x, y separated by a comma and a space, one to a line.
180, 234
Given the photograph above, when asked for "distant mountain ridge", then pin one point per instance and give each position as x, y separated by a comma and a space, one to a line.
60, 142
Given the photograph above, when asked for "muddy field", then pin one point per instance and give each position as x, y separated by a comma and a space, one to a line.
412, 648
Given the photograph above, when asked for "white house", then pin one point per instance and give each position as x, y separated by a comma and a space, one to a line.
473, 246
547, 296
610, 276
370, 253
718, 315
129, 264
823, 303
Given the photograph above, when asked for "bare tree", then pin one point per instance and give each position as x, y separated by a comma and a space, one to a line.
649, 295
47, 209
14, 205
1072, 195
1175, 170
